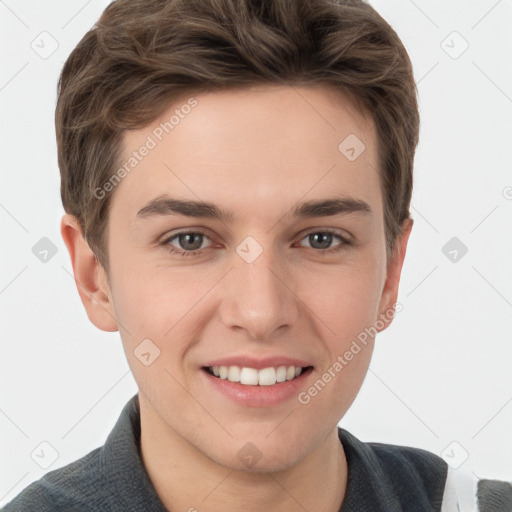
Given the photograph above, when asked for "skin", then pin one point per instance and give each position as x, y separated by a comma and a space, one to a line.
256, 152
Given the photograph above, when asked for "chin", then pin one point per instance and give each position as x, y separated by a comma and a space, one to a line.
261, 455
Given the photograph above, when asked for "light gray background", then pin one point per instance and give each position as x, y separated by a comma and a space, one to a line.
441, 374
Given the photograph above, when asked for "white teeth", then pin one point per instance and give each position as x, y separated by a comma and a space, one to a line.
281, 374
252, 377
234, 373
249, 376
267, 377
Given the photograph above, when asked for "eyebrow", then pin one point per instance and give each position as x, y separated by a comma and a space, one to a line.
165, 205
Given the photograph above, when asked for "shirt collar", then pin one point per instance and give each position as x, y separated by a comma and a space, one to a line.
122, 467
380, 477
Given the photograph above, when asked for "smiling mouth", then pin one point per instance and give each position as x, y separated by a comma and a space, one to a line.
253, 377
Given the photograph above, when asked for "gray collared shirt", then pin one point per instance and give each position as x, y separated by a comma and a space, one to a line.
381, 478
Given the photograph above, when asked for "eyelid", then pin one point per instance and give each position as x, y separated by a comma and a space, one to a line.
344, 240
345, 235
184, 231
203, 231
182, 253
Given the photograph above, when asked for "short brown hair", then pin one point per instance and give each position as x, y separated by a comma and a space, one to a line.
142, 54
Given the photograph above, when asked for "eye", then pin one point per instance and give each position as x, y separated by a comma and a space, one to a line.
323, 239
189, 243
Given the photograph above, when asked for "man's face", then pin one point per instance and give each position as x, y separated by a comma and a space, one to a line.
264, 287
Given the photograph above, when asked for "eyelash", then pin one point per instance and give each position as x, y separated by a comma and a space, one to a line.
337, 248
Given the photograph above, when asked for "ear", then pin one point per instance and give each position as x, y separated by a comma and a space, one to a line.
90, 276
394, 270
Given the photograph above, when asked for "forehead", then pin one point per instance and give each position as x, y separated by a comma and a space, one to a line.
254, 150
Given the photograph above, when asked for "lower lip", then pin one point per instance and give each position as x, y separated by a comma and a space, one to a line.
258, 396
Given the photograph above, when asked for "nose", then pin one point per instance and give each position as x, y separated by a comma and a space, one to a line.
258, 298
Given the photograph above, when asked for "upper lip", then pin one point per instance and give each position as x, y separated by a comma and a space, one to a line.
258, 363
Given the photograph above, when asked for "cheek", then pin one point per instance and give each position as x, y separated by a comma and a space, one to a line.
158, 303
156, 307
347, 315
345, 299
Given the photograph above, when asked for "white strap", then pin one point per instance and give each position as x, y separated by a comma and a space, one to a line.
460, 492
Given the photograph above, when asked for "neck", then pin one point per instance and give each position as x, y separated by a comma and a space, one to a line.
186, 479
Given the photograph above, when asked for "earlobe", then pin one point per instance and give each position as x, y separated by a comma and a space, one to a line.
90, 277
394, 269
